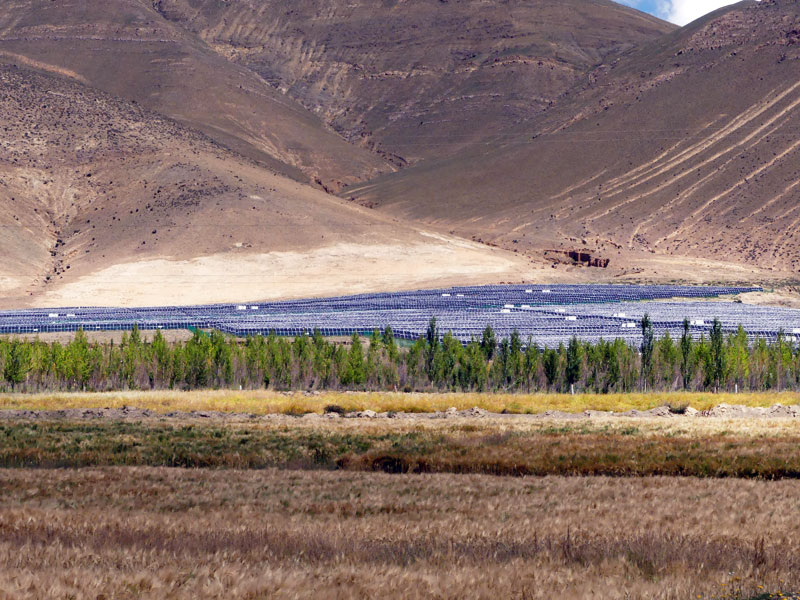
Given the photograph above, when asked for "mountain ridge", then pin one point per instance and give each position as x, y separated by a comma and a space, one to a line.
127, 49
153, 148
603, 175
417, 79
105, 202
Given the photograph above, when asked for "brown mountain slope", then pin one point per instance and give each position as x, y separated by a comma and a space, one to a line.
416, 79
126, 48
102, 202
687, 147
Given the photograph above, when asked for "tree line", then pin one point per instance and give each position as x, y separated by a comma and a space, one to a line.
434, 362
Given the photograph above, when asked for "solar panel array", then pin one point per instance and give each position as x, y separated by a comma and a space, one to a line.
549, 315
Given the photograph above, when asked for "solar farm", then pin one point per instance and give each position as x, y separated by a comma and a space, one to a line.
548, 315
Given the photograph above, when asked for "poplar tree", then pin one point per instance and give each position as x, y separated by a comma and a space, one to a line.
432, 340
687, 365
739, 356
323, 360
667, 360
647, 349
488, 343
574, 361
716, 364
354, 373
18, 362
550, 362
390, 344
532, 360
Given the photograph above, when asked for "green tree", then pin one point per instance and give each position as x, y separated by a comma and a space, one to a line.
221, 359
163, 358
354, 372
303, 354
279, 359
612, 365
647, 349
340, 363
667, 360
132, 357
178, 367
475, 370
390, 344
702, 359
372, 369
687, 353
432, 342
551, 366
323, 360
716, 364
532, 360
574, 361
198, 354
514, 361
77, 357
450, 361
497, 369
760, 371
18, 362
739, 357
783, 348
488, 343
594, 365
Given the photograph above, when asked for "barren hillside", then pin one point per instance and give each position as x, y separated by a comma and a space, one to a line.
683, 149
104, 202
417, 79
168, 151
126, 48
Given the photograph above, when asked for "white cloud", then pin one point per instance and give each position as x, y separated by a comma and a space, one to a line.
686, 11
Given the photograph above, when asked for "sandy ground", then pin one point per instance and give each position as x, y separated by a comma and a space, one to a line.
786, 297
333, 270
429, 260
99, 337
685, 269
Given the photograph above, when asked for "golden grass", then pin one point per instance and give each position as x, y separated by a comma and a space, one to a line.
268, 402
162, 533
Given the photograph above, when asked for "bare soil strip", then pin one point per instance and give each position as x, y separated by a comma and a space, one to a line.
129, 413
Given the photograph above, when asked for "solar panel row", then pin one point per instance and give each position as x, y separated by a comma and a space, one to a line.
548, 314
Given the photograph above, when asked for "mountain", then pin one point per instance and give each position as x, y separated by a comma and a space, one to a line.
104, 202
676, 155
127, 49
184, 151
417, 79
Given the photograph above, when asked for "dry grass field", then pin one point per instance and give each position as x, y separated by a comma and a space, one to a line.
172, 533
499, 506
261, 402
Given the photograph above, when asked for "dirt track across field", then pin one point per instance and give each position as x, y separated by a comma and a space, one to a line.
723, 411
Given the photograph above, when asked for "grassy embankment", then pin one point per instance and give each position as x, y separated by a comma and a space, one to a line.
269, 402
612, 446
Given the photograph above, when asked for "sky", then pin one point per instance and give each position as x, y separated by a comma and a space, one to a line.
677, 11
